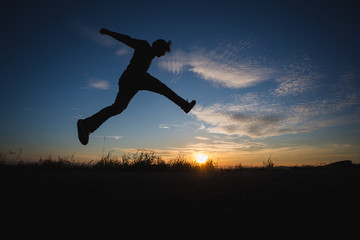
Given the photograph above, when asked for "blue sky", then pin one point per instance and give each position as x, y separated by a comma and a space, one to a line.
277, 78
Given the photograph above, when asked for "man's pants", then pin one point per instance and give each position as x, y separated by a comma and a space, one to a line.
129, 84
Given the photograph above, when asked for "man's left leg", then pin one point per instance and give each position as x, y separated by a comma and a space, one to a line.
153, 84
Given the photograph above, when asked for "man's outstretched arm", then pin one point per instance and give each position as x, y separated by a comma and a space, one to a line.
120, 37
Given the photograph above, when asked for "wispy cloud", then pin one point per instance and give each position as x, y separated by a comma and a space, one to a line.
164, 126
123, 50
226, 120
236, 66
224, 66
201, 138
259, 116
96, 83
111, 137
297, 76
114, 137
349, 85
194, 126
266, 113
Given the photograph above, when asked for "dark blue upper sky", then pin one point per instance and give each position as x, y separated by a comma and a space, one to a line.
270, 77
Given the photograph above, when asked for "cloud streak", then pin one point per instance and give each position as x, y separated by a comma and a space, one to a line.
237, 66
258, 116
296, 77
111, 137
220, 66
99, 84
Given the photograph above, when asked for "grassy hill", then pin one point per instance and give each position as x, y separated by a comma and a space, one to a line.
137, 188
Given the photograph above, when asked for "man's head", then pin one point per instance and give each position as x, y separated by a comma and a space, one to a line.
161, 47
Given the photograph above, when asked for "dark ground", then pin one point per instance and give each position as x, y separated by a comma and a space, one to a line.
255, 195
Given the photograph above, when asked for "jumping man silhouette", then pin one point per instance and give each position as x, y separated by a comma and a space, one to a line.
133, 79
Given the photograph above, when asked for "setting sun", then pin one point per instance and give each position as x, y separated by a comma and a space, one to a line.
201, 158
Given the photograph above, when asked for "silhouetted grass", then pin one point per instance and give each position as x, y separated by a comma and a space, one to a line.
145, 161
108, 161
181, 163
2, 159
138, 161
269, 163
60, 162
131, 161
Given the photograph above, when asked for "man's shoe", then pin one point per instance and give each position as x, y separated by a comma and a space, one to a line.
189, 106
83, 133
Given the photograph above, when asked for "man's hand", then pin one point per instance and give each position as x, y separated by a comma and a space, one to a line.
103, 31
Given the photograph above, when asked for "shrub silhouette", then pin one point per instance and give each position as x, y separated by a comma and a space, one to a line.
148, 160
181, 163
108, 161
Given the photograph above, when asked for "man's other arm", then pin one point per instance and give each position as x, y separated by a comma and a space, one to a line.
131, 42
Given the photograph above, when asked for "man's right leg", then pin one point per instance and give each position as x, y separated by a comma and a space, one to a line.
121, 102
90, 124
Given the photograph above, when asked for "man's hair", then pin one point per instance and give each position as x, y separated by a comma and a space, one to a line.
162, 44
